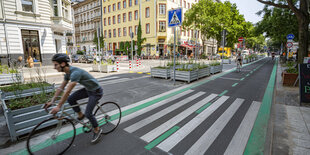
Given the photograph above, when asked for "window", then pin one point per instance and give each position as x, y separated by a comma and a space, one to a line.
104, 10
104, 22
124, 17
114, 7
109, 20
162, 26
113, 19
136, 2
105, 33
124, 31
136, 15
188, 6
130, 3
129, 16
130, 30
181, 3
184, 4
27, 5
124, 4
109, 8
31, 44
119, 18
136, 30
114, 33
119, 5
147, 28
147, 12
55, 8
110, 35
162, 9
119, 32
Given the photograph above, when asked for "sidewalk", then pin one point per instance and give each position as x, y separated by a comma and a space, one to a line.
291, 122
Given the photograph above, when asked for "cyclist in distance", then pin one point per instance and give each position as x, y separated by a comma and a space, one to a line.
92, 90
239, 59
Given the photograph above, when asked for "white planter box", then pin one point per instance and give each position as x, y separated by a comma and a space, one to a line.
204, 72
11, 78
108, 68
159, 72
187, 76
226, 61
216, 69
96, 67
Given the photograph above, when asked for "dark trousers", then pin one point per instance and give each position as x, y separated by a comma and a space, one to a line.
93, 99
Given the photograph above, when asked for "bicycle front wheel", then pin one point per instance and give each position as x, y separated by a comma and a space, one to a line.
108, 116
51, 136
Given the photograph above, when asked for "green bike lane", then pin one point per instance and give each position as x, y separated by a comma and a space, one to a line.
229, 83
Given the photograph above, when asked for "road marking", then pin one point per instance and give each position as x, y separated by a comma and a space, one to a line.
141, 109
173, 121
203, 108
224, 92
150, 119
205, 141
173, 140
229, 78
242, 79
107, 78
240, 139
234, 84
256, 143
247, 74
161, 138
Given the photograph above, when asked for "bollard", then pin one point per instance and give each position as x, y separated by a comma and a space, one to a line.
129, 65
117, 66
139, 62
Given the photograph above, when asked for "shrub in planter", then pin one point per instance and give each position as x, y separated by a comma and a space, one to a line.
186, 74
290, 74
215, 67
108, 66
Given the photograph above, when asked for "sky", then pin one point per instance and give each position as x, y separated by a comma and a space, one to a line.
249, 8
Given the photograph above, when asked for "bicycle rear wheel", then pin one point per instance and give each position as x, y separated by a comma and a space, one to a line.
55, 138
108, 115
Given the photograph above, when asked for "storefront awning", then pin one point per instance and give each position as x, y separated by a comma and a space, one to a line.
187, 46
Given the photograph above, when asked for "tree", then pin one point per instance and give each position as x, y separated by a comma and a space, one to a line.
303, 18
95, 41
210, 18
140, 40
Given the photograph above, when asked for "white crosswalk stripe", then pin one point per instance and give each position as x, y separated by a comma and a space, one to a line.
205, 141
151, 107
174, 139
163, 112
240, 139
173, 121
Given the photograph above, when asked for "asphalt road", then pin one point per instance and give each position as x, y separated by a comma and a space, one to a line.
211, 116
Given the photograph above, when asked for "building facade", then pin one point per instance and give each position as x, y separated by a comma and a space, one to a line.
36, 28
121, 17
86, 22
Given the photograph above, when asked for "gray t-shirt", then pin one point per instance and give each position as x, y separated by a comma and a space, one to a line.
82, 77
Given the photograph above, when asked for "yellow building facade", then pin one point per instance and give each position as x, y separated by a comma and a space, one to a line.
120, 17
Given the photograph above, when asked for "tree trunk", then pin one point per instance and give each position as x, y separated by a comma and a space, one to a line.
203, 45
303, 31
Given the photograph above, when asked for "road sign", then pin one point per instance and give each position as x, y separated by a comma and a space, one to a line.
289, 44
290, 37
265, 47
240, 39
175, 17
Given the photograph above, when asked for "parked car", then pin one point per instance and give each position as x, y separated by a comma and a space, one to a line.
86, 59
75, 58
245, 52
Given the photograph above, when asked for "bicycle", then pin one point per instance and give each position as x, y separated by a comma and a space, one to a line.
238, 66
62, 133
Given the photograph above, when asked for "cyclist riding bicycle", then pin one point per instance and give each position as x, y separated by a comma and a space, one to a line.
92, 90
239, 59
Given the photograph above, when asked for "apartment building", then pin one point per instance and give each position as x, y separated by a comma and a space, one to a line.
35, 28
86, 22
121, 17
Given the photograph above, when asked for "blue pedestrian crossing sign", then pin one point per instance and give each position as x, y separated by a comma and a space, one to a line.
175, 17
290, 37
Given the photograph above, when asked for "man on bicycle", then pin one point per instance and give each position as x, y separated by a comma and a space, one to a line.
92, 90
239, 59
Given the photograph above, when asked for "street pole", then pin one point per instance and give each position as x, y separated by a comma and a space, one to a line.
174, 56
98, 36
131, 36
196, 48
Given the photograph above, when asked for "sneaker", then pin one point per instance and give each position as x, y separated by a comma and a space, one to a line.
81, 118
96, 136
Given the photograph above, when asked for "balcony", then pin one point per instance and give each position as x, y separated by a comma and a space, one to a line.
61, 24
69, 34
69, 44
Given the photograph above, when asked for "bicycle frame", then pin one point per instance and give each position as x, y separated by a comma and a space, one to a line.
65, 114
